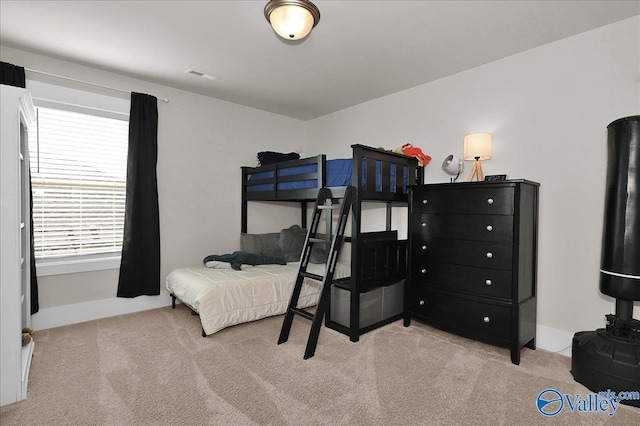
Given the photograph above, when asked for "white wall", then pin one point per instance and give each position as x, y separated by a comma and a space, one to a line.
202, 142
548, 109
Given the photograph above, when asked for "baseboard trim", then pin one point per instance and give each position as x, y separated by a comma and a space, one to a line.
554, 340
547, 338
59, 316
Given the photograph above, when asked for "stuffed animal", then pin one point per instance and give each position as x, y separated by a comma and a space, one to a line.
26, 339
27, 335
411, 151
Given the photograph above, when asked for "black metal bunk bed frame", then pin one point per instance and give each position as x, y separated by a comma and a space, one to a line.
376, 260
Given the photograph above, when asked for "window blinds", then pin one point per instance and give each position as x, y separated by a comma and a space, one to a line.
78, 171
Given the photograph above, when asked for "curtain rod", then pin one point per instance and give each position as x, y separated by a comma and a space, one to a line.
86, 82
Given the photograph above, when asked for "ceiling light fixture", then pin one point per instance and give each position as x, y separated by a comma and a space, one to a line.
292, 19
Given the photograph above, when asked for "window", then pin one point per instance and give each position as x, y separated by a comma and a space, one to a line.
78, 175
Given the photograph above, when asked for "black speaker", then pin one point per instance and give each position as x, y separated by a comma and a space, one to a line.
609, 358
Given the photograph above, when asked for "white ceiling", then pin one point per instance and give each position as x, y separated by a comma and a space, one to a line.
359, 51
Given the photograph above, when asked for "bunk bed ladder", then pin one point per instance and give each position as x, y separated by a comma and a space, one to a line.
324, 203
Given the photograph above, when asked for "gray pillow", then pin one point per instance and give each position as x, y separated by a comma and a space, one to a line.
266, 244
292, 240
320, 251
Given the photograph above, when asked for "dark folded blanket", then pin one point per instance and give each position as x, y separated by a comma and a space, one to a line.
238, 258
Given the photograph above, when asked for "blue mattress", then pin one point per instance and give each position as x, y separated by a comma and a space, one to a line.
339, 173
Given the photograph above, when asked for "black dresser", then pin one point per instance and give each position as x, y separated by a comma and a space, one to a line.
472, 260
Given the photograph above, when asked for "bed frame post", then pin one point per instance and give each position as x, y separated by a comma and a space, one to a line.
243, 209
303, 218
356, 255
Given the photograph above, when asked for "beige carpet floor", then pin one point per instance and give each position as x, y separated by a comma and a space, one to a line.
154, 368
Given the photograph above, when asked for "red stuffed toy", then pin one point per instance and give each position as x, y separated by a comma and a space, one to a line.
411, 151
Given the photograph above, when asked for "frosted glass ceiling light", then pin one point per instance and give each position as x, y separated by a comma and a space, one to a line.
292, 19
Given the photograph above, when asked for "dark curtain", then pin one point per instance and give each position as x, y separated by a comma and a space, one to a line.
140, 264
13, 75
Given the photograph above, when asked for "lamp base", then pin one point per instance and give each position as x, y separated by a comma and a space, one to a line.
476, 170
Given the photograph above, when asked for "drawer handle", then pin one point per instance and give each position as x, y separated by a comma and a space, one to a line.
421, 303
424, 271
424, 224
489, 228
488, 282
425, 201
486, 319
489, 255
490, 201
424, 247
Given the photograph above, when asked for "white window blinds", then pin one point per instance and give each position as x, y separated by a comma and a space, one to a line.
78, 174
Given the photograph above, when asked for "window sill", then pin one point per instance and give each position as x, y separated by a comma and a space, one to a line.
76, 264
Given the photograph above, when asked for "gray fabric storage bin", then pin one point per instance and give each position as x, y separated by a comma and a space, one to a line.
376, 305
392, 299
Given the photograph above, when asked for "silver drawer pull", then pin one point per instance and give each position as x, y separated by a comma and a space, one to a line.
489, 255
489, 200
424, 247
486, 319
424, 271
489, 228
425, 201
421, 303
488, 282
424, 224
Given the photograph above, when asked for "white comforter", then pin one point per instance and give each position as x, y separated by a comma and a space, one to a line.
224, 297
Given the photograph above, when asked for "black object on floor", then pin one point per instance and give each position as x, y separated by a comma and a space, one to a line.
608, 359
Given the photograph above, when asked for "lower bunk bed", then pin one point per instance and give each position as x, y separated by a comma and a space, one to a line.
226, 297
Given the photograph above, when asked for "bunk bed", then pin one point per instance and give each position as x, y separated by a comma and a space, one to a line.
368, 292
373, 296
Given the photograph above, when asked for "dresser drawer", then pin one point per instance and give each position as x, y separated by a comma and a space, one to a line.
469, 200
463, 227
482, 282
465, 316
481, 254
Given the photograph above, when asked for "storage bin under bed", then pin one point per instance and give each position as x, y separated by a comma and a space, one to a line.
376, 305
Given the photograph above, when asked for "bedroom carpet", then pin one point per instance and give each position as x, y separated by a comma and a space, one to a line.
154, 368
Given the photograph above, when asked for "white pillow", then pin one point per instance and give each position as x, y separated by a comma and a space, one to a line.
217, 264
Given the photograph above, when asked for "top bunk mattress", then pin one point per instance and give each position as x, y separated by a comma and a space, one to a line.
339, 173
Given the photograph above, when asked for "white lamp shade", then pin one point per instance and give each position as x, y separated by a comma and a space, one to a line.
477, 146
291, 22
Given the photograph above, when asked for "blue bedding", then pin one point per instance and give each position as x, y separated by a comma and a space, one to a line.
339, 173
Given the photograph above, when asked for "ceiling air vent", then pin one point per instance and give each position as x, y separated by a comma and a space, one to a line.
201, 74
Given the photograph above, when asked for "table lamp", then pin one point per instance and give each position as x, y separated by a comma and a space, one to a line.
477, 147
